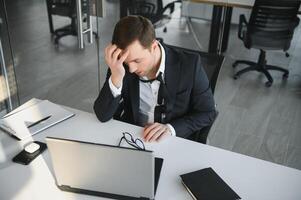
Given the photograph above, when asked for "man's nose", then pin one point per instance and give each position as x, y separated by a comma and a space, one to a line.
132, 68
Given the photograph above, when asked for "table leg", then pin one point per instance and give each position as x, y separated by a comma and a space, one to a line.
215, 29
226, 30
49, 16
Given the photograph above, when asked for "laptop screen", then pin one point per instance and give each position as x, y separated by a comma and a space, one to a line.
102, 168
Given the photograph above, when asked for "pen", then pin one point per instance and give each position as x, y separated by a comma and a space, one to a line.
39, 121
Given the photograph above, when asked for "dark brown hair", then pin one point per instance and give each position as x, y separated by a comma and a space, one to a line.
131, 28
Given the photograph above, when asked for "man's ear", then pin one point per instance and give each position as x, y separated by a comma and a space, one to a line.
154, 45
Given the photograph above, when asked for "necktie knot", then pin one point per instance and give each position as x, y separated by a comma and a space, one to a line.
158, 78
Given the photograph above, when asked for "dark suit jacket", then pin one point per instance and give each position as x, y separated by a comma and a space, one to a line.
192, 105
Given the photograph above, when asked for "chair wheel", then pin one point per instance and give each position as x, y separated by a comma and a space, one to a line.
268, 84
287, 54
165, 30
234, 65
235, 77
285, 76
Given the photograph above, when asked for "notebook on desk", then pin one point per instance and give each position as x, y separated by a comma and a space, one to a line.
104, 170
206, 184
32, 118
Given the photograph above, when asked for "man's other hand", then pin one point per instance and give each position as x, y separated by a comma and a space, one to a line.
155, 132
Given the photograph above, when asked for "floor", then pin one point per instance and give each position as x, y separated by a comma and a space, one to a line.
253, 120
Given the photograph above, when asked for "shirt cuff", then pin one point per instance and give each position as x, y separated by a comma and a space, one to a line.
172, 130
115, 91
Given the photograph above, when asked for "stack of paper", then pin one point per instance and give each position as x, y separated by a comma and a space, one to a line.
33, 117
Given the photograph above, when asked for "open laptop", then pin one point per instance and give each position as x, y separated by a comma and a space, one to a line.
104, 170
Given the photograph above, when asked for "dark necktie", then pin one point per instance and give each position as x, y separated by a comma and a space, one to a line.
163, 98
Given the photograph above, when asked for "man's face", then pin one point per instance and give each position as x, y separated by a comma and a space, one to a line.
141, 61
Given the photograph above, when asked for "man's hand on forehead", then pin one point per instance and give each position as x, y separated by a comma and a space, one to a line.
123, 51
114, 59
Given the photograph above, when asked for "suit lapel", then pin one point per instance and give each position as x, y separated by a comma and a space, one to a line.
134, 95
172, 74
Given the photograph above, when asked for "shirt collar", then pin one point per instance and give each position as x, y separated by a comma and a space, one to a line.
162, 62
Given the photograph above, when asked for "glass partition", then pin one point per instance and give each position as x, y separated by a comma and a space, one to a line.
48, 66
8, 85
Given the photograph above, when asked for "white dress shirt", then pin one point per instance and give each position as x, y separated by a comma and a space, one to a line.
148, 96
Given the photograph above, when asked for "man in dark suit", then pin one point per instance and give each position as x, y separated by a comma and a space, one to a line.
153, 85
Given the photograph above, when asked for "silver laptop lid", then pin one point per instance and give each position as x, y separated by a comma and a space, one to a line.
102, 168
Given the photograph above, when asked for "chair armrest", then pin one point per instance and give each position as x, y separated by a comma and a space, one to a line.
242, 26
171, 6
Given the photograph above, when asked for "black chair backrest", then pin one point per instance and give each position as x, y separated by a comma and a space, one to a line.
62, 7
151, 9
272, 24
211, 63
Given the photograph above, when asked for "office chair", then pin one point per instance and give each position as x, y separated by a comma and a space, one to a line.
212, 64
271, 27
66, 8
152, 10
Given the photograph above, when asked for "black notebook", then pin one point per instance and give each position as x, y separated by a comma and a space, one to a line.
206, 184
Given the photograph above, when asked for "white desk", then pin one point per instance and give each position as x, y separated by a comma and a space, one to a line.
214, 2
251, 178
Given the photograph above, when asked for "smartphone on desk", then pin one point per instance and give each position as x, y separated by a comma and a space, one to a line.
25, 158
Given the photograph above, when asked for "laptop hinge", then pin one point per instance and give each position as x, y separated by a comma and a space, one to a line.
65, 187
144, 198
